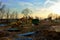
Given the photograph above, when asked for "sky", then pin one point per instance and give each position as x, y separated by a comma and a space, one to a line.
40, 8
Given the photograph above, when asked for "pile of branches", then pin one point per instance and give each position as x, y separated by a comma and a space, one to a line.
46, 35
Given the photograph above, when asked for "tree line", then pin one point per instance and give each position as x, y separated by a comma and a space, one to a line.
5, 12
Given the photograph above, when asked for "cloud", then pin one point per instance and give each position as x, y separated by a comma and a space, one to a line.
55, 0
35, 5
25, 4
41, 9
55, 8
49, 3
50, 6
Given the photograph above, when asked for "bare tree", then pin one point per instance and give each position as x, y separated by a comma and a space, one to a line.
2, 14
12, 15
50, 16
7, 14
2, 11
15, 14
26, 12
